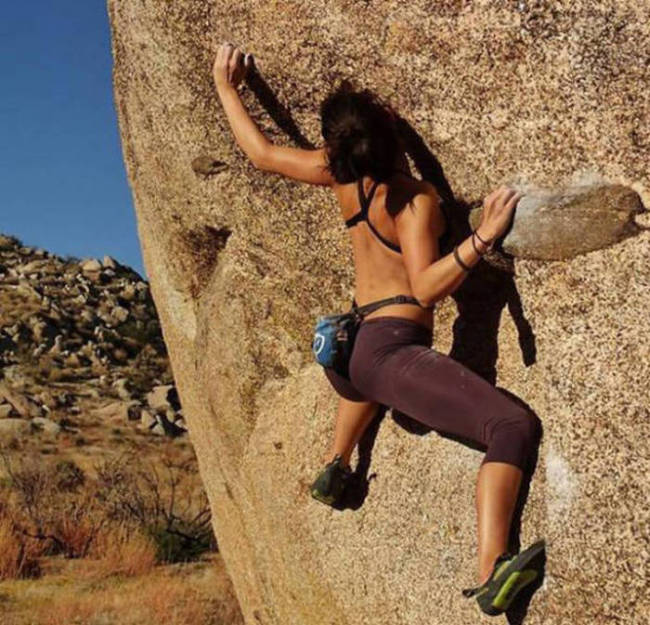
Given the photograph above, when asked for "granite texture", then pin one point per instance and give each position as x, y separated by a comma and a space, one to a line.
546, 94
560, 224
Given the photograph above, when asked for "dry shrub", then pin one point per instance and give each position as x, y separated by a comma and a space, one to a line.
123, 550
19, 555
78, 529
166, 500
140, 504
10, 551
48, 506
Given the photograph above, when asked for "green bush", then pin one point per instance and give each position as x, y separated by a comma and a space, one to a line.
173, 545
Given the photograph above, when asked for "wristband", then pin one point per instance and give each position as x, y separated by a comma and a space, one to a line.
460, 262
474, 244
490, 245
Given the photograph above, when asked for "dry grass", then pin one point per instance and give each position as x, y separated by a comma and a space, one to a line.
19, 556
182, 594
97, 544
99, 529
122, 550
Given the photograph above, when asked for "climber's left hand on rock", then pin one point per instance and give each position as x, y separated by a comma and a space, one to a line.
230, 66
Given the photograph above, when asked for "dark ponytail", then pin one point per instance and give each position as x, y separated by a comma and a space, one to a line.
360, 134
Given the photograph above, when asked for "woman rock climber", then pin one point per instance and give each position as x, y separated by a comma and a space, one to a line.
395, 222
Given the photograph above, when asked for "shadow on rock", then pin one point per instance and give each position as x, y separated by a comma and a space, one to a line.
278, 112
357, 489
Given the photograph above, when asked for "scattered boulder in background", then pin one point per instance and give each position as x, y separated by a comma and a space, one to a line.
122, 388
70, 345
163, 397
148, 419
21, 405
8, 242
7, 410
91, 268
46, 425
134, 411
15, 427
163, 425
109, 263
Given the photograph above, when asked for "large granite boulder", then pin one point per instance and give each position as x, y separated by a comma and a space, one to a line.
548, 96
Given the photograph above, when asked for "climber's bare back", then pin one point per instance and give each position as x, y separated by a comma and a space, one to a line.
403, 209
380, 271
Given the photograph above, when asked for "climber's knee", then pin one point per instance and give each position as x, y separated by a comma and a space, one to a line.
514, 438
529, 430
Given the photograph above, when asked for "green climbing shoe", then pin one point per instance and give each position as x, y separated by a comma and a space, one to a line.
329, 485
510, 574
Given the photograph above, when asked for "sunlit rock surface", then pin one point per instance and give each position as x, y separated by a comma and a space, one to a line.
559, 224
544, 95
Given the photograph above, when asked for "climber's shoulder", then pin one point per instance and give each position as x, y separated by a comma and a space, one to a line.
296, 163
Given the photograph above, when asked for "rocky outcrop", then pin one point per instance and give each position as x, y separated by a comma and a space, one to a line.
75, 335
547, 96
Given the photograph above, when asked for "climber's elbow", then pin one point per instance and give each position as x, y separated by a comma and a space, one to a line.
257, 160
421, 289
262, 157
425, 300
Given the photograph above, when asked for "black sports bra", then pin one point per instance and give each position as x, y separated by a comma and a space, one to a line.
362, 215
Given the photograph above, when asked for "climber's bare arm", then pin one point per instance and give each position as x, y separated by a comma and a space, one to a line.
230, 67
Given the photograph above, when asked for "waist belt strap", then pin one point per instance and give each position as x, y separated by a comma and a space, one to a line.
372, 306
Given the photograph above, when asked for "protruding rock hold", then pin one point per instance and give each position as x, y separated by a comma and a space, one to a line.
556, 225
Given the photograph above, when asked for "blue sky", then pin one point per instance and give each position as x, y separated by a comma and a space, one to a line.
64, 186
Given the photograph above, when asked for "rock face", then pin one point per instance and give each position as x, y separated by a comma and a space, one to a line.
241, 262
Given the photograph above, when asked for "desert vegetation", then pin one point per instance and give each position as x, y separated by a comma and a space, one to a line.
103, 516
106, 531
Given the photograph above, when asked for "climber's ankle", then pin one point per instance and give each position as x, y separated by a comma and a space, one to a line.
332, 454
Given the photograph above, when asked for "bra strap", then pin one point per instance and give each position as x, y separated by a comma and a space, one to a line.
364, 201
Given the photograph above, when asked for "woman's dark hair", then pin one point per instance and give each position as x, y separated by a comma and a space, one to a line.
360, 134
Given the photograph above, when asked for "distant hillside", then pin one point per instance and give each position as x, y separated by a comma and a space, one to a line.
81, 350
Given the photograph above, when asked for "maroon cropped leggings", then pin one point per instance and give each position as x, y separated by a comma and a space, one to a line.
393, 364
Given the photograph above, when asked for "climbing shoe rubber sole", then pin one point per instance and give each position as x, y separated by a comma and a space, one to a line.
511, 573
